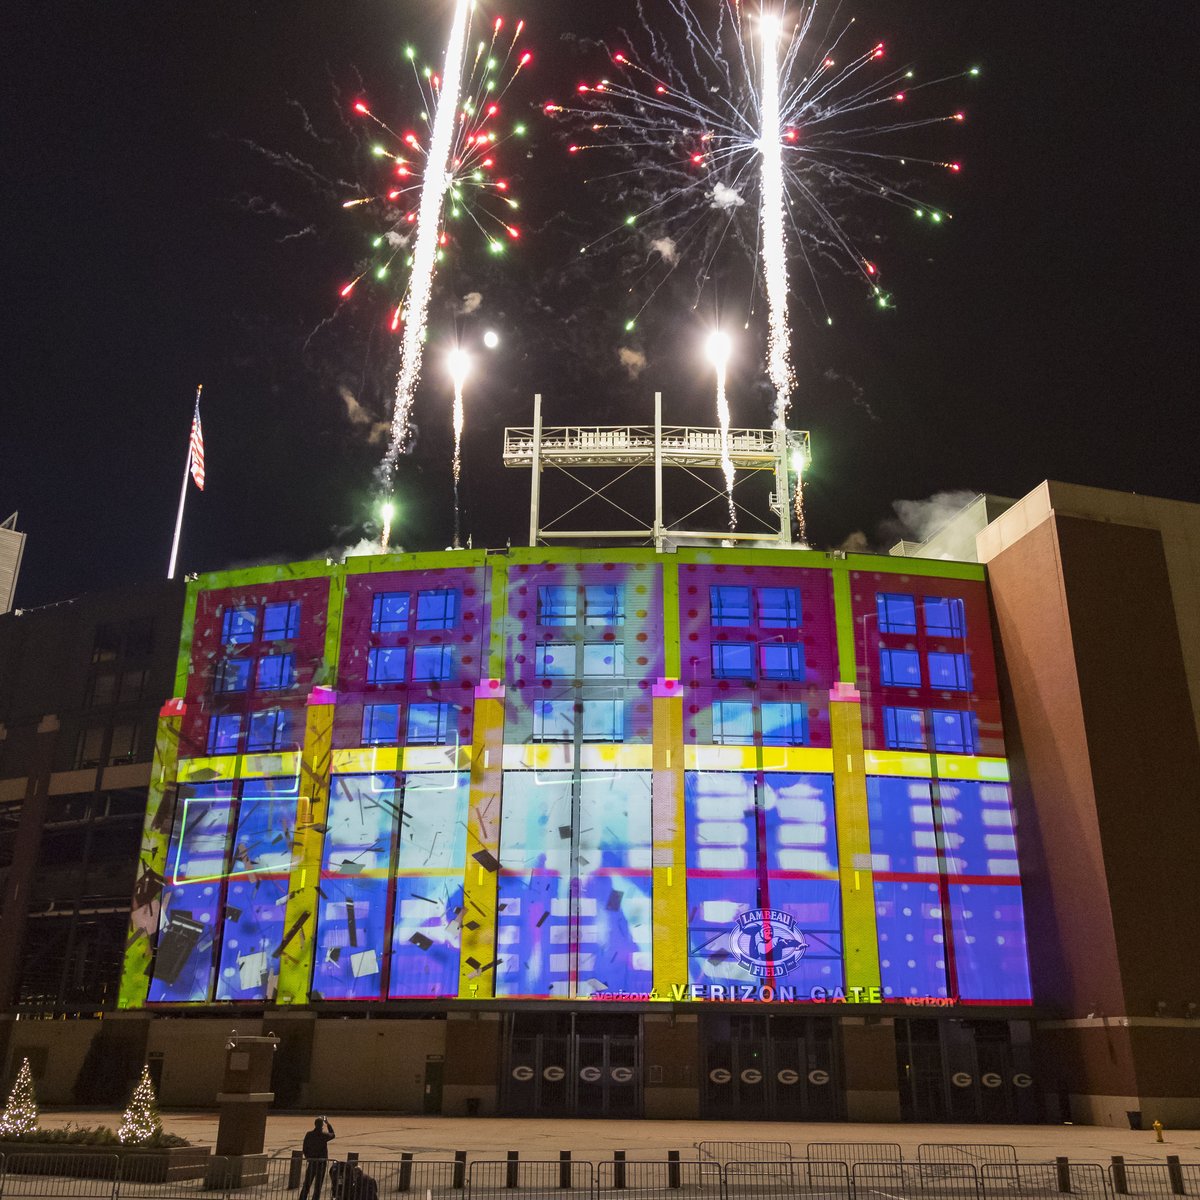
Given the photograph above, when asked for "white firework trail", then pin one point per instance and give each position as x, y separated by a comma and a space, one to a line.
437, 181
460, 365
773, 224
718, 352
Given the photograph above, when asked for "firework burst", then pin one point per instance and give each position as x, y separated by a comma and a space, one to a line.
758, 130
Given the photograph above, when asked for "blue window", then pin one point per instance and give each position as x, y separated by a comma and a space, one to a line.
238, 626
603, 721
381, 724
437, 609
900, 668
276, 672
268, 730
603, 659
555, 659
730, 605
780, 661
954, 732
779, 608
233, 675
557, 604
431, 724
784, 724
733, 723
432, 662
604, 604
389, 612
553, 720
897, 613
950, 672
223, 734
904, 728
281, 622
945, 617
386, 664
733, 660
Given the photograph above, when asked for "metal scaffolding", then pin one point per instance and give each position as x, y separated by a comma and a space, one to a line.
690, 448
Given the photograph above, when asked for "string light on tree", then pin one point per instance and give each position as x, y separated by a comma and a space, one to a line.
21, 1112
141, 1122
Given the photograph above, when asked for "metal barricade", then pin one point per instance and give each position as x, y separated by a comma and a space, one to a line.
975, 1153
183, 1176
894, 1180
1058, 1178
493, 1179
79, 1176
723, 1152
855, 1152
792, 1179
1162, 1181
639, 1180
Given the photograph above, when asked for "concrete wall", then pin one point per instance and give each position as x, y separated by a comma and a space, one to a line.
193, 1056
472, 1063
61, 1045
671, 1066
869, 1068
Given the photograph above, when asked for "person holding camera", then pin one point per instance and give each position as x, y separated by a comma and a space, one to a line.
315, 1149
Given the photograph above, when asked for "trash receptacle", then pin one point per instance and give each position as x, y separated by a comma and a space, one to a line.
473, 1106
1134, 1118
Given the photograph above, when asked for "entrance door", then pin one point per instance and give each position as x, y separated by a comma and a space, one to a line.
433, 1086
607, 1076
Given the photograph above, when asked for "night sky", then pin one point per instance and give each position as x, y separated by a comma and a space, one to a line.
154, 238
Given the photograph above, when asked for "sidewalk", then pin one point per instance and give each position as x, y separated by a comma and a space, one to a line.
375, 1136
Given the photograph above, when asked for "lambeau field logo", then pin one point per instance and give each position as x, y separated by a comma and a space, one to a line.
766, 942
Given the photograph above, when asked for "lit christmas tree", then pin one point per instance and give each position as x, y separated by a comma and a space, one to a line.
20, 1113
141, 1120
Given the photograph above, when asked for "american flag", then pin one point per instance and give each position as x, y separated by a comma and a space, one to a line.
196, 447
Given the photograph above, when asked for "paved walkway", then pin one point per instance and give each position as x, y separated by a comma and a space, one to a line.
375, 1137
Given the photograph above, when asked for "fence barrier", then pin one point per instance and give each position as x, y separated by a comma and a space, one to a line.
626, 1179
894, 1180
495, 1180
723, 1152
1158, 1180
855, 1152
975, 1153
795, 1179
1057, 1178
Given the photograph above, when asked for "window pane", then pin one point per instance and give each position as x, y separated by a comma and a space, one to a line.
429, 724
944, 617
604, 658
949, 671
783, 724
389, 612
555, 659
733, 722
733, 660
281, 621
381, 724
604, 604
437, 609
603, 721
107, 643
268, 730
223, 734
557, 605
233, 675
123, 747
432, 662
779, 608
953, 732
730, 605
897, 614
900, 668
904, 728
276, 672
386, 664
238, 625
782, 662
104, 690
553, 720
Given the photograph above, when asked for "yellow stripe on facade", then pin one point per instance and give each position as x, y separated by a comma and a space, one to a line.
903, 764
669, 912
719, 758
860, 943
308, 843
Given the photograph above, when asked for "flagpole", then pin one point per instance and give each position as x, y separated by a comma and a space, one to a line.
187, 466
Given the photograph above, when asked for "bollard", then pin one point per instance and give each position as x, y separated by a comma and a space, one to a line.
564, 1168
1175, 1174
460, 1169
1158, 1128
295, 1167
1120, 1183
512, 1169
351, 1157
673, 1172
406, 1161
1062, 1169
618, 1168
